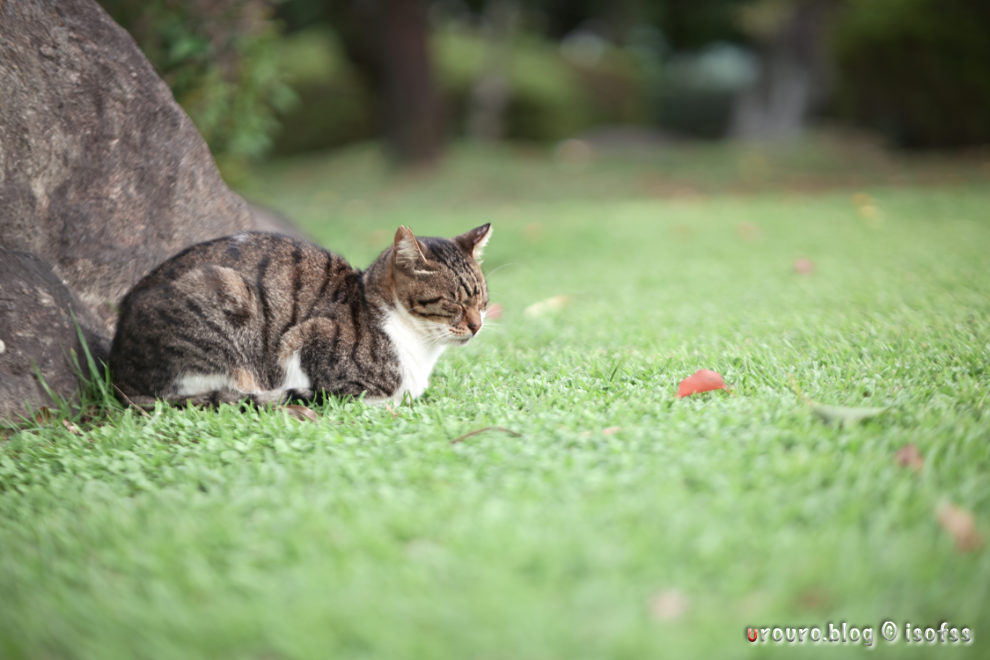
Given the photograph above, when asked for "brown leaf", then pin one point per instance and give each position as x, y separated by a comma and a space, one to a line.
611, 430
544, 306
748, 231
909, 456
302, 413
668, 605
71, 428
961, 526
814, 599
43, 416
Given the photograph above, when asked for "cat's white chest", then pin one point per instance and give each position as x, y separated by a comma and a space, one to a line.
417, 355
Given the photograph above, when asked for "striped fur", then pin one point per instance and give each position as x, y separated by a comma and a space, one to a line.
265, 317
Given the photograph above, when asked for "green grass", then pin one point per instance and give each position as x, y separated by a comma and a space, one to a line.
622, 522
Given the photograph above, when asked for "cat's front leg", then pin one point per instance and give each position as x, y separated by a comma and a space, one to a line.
297, 380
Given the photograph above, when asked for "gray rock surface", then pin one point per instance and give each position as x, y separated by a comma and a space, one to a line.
102, 175
38, 334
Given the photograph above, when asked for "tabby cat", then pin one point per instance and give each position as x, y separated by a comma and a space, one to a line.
266, 318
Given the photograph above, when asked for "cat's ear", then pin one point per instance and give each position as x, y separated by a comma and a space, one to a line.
474, 241
408, 251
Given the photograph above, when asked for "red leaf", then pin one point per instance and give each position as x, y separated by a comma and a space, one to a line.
703, 380
908, 456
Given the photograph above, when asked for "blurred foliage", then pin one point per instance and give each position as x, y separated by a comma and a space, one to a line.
698, 91
916, 70
550, 96
334, 107
218, 57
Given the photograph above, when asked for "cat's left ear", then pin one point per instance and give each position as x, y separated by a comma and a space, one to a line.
474, 241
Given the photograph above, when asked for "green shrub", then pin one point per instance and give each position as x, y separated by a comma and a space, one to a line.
334, 107
217, 58
917, 70
550, 98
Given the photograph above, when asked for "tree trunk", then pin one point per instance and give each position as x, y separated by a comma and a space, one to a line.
793, 74
388, 42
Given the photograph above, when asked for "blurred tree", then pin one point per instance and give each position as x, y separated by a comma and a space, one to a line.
387, 40
916, 70
216, 56
791, 37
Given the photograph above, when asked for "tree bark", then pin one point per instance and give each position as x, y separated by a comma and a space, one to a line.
388, 42
793, 74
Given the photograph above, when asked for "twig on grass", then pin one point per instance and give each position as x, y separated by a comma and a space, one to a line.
127, 399
471, 434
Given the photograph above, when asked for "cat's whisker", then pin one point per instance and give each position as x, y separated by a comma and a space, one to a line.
501, 266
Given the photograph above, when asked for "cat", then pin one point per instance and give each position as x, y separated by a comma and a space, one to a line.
268, 318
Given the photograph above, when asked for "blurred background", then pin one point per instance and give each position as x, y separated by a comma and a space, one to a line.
268, 79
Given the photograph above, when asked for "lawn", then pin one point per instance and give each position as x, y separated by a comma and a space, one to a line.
595, 514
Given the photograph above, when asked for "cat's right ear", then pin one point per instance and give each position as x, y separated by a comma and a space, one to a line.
408, 251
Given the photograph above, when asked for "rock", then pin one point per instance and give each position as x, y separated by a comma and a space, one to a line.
102, 174
38, 335
102, 177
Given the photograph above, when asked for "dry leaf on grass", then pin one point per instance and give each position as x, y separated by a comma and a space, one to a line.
961, 526
748, 231
668, 605
544, 306
71, 428
43, 416
843, 416
611, 430
908, 456
302, 413
703, 380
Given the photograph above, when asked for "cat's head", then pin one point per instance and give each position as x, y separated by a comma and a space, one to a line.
439, 283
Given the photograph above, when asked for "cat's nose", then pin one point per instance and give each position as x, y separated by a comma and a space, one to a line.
474, 325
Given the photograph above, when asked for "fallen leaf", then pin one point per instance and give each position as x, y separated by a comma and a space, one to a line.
71, 428
549, 305
302, 413
748, 231
868, 210
814, 599
494, 312
668, 605
43, 416
841, 415
703, 380
611, 430
909, 456
804, 266
961, 526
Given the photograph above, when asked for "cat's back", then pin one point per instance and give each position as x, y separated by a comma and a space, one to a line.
252, 254
221, 303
